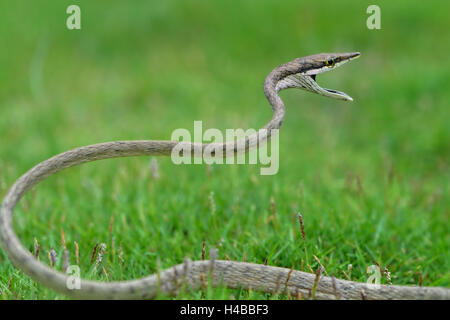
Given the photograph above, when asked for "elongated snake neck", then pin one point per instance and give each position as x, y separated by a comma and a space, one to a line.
192, 273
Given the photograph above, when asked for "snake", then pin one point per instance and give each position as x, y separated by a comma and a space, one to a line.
299, 73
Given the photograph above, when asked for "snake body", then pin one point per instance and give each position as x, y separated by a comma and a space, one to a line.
299, 73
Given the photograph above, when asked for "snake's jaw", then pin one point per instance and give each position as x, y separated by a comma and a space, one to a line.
336, 94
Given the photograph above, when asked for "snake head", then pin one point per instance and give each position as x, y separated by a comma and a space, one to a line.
303, 73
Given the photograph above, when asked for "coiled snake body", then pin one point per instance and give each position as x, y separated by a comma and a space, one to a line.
299, 73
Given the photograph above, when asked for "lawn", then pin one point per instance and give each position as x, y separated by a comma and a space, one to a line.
370, 177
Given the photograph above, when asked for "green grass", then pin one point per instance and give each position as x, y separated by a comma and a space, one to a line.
371, 178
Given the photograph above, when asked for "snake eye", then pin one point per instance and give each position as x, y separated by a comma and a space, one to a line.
329, 63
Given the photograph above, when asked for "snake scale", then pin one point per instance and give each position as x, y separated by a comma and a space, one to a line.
299, 73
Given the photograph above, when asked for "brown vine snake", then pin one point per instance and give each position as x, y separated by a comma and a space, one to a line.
299, 73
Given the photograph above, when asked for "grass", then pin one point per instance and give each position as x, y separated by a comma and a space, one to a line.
370, 178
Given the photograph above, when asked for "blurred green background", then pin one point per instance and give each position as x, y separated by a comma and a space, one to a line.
370, 177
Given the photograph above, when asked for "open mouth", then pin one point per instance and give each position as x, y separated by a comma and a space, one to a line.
328, 92
307, 80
